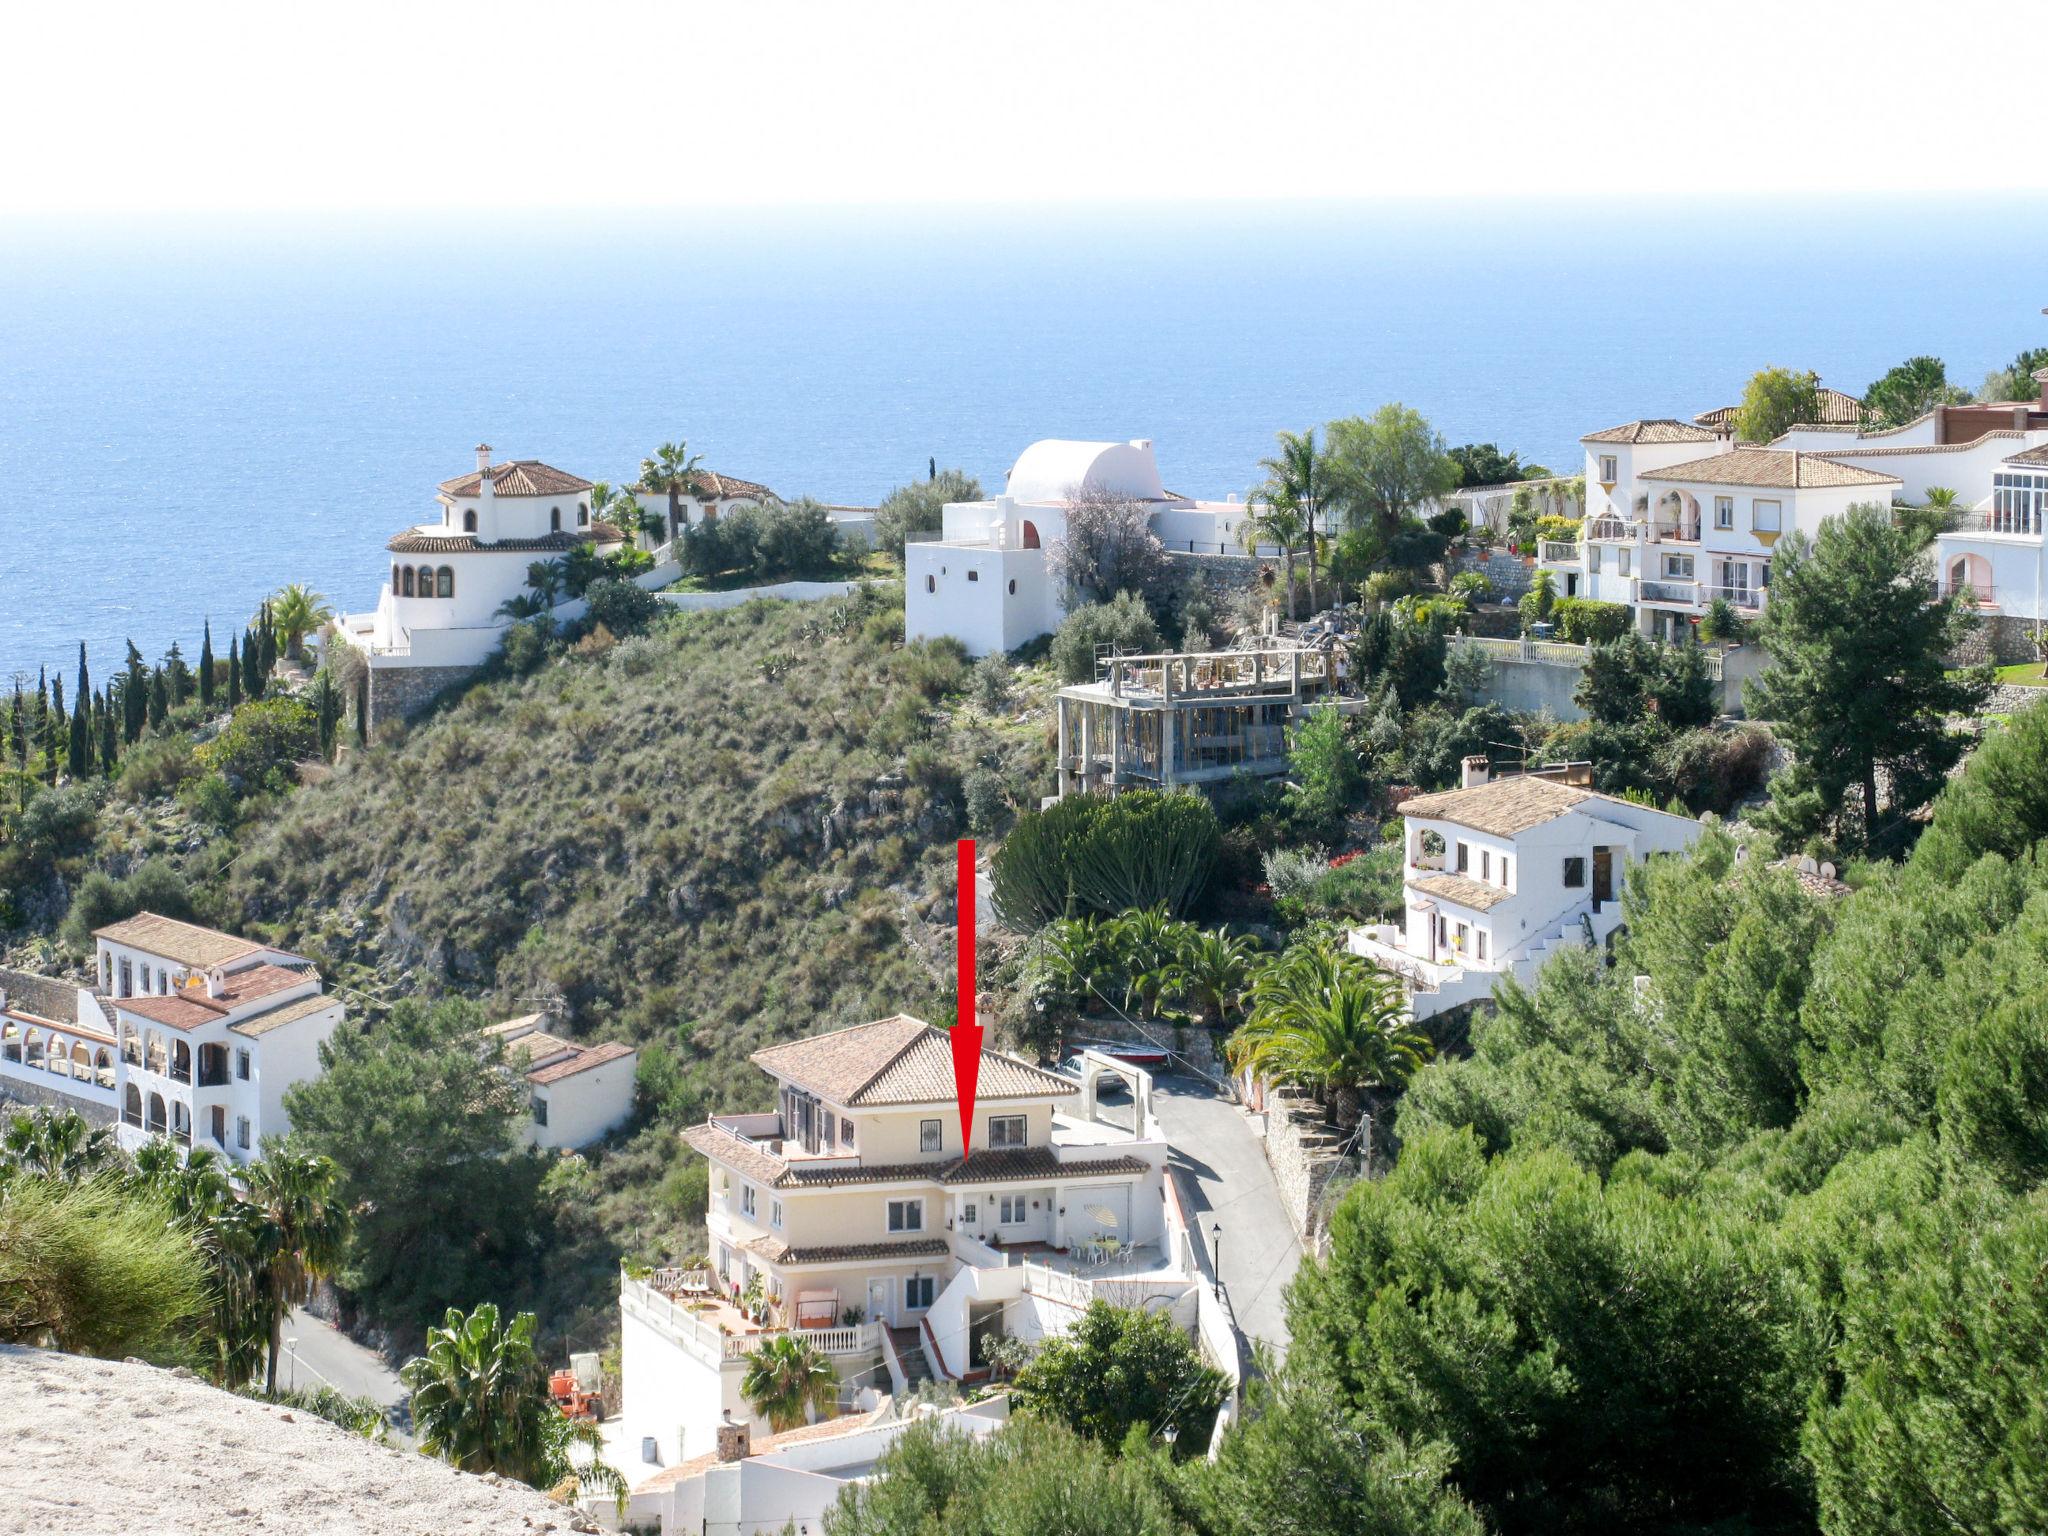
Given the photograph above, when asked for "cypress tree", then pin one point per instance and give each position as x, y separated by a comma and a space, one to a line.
234, 675
206, 666
327, 709
159, 699
267, 638
363, 707
110, 738
81, 722
17, 730
252, 666
134, 695
178, 674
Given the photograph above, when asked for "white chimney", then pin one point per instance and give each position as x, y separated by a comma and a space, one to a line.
483, 456
1473, 772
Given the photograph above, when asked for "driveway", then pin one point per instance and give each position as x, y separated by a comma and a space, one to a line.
317, 1352
1233, 1188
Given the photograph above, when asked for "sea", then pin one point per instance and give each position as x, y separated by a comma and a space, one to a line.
196, 411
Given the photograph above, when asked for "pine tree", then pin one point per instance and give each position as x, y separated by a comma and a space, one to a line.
81, 722
206, 666
234, 675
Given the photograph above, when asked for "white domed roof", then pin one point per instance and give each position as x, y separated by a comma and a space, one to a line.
1054, 469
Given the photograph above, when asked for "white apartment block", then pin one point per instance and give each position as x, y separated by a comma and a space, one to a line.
853, 1215
1499, 874
189, 1033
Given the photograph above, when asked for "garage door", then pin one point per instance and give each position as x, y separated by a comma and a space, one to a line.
1105, 1212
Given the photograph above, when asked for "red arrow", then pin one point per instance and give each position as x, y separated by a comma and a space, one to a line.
966, 1031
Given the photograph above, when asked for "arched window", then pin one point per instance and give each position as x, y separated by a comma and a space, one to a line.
426, 581
406, 587
1030, 534
103, 1067
554, 519
181, 1119
396, 585
32, 1049
469, 522
10, 1041
81, 1062
131, 1106
156, 1112
582, 516
159, 1062
59, 1060
444, 582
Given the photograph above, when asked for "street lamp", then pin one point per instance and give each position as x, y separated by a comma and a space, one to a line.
1216, 1252
292, 1348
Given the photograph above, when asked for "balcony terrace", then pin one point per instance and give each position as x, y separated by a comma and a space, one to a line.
1684, 594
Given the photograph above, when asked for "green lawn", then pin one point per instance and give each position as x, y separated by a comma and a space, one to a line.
2026, 674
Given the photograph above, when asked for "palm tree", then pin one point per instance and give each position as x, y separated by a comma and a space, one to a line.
1274, 522
545, 579
1147, 944
1330, 1022
785, 1378
480, 1402
1295, 477
623, 508
298, 1194
1215, 971
56, 1144
1076, 953
669, 472
295, 612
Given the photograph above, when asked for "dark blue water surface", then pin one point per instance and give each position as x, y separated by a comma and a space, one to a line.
192, 415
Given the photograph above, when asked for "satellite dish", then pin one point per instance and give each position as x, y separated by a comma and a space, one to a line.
1827, 871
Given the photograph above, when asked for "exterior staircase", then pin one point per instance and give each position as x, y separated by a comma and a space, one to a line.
909, 1344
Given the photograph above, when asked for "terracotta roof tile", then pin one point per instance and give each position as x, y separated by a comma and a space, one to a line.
186, 943
898, 1060
1836, 409
1502, 807
2031, 456
190, 1009
763, 1167
518, 477
414, 543
586, 1057
1476, 894
776, 1251
1770, 469
710, 485
1661, 430
293, 1011
241, 987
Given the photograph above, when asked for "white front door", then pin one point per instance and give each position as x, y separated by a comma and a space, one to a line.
878, 1300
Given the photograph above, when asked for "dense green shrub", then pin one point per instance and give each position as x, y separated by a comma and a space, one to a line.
272, 733
993, 682
1583, 621
1103, 854
58, 823
1124, 622
1713, 770
988, 801
156, 886
937, 667
156, 766
623, 607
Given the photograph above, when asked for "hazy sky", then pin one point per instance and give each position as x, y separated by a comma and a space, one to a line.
511, 106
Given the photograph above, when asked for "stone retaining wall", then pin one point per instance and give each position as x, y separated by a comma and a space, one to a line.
1224, 576
34, 1094
1510, 577
2011, 698
399, 693
2001, 638
1302, 1151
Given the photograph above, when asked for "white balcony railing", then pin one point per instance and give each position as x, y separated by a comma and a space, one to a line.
1672, 591
1558, 551
1749, 598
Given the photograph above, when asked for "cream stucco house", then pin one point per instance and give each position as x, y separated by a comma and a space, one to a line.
576, 1094
853, 1215
1501, 873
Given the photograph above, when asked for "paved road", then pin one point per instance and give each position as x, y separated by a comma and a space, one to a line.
324, 1353
1234, 1188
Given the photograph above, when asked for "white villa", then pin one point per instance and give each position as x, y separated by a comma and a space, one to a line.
704, 497
852, 1216
1501, 873
190, 1033
1680, 513
576, 1094
984, 580
450, 574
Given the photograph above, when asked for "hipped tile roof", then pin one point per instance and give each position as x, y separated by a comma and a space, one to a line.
518, 477
1770, 469
1661, 430
1476, 894
186, 943
899, 1060
1501, 808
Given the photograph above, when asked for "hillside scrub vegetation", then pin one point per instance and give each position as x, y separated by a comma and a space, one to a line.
733, 829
